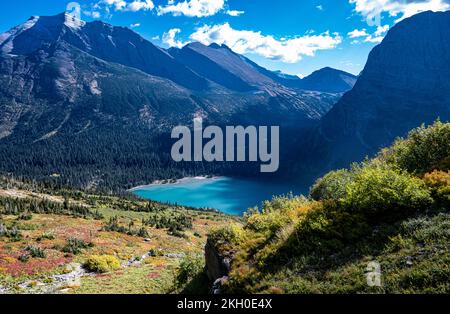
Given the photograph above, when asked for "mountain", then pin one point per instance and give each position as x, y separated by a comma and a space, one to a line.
112, 44
326, 80
95, 104
405, 83
329, 80
220, 64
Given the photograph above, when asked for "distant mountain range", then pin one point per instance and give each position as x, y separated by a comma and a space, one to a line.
221, 65
59, 59
90, 104
86, 98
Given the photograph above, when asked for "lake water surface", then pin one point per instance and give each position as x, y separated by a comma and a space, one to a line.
229, 195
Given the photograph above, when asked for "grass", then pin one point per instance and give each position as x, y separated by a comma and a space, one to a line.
412, 261
150, 278
66, 239
386, 217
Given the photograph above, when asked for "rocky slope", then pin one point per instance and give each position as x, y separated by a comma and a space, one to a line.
404, 84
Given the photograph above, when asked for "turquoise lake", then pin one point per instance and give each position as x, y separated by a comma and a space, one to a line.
228, 195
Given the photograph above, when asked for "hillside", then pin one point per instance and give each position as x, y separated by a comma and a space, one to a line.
67, 241
391, 211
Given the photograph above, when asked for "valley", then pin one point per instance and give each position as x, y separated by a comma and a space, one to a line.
87, 110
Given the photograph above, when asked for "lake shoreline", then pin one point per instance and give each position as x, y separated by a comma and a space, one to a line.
172, 182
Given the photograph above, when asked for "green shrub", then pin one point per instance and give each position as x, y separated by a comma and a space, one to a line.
46, 235
327, 228
12, 233
190, 267
231, 234
75, 246
379, 190
24, 257
332, 186
425, 149
35, 251
102, 263
113, 225
275, 214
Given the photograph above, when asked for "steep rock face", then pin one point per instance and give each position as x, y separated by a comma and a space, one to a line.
405, 83
217, 266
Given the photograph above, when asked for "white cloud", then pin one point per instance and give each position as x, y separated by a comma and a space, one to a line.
357, 33
117, 4
169, 38
401, 8
192, 8
381, 30
134, 6
376, 37
135, 25
319, 7
235, 12
140, 5
247, 41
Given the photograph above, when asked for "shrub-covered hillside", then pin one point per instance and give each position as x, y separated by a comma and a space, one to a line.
392, 210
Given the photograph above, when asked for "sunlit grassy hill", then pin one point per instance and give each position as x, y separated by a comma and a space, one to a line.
391, 211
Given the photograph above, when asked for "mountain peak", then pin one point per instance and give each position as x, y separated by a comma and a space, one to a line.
214, 46
329, 79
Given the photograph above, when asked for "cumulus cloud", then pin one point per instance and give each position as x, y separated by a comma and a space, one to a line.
192, 8
372, 9
118, 5
140, 5
135, 25
381, 30
169, 38
357, 33
246, 41
133, 6
376, 37
235, 12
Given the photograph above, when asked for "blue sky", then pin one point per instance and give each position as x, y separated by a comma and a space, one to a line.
294, 36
